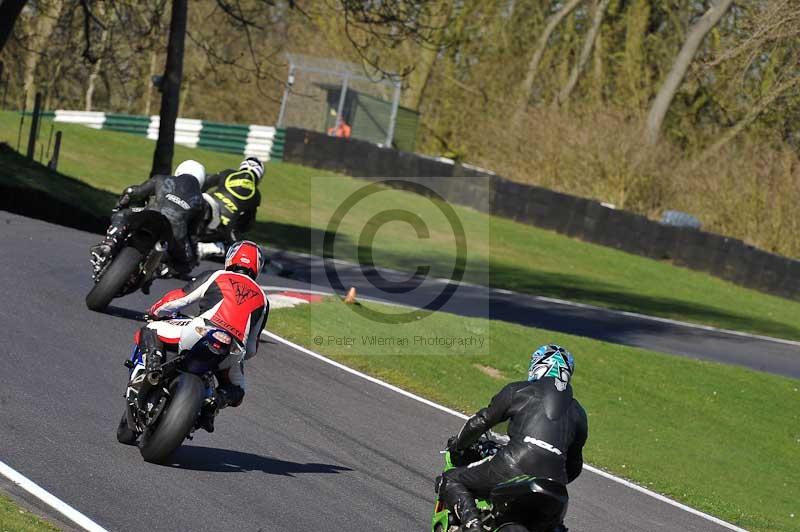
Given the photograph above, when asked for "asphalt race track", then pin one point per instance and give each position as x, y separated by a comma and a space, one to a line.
762, 354
312, 447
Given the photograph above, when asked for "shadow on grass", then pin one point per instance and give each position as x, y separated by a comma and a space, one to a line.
289, 236
229, 461
31, 189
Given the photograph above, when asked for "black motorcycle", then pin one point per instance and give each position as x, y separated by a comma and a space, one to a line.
134, 261
166, 404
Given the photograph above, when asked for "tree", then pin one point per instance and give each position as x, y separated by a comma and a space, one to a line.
98, 61
764, 60
42, 26
9, 12
526, 88
599, 10
698, 32
170, 89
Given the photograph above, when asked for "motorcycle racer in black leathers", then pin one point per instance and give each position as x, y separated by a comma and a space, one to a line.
233, 198
547, 431
176, 197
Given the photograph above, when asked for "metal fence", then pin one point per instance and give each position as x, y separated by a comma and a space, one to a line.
340, 99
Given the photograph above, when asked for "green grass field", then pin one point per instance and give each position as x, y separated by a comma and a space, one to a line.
15, 519
298, 204
722, 439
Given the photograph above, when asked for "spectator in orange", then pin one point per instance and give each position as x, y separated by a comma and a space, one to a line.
342, 130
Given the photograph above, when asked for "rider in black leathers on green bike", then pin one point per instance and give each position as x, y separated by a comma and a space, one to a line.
547, 430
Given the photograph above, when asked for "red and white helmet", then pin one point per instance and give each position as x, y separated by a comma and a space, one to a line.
246, 257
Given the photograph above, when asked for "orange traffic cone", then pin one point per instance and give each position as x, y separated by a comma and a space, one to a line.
351, 296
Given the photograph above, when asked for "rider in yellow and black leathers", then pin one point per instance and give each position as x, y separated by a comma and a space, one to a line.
234, 198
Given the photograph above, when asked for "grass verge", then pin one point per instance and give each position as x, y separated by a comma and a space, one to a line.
719, 438
15, 519
299, 202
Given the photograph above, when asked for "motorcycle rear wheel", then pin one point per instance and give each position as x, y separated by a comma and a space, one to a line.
119, 271
173, 425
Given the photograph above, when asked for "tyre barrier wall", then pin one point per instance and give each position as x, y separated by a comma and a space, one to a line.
264, 142
589, 220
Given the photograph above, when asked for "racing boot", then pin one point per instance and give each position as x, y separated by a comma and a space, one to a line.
152, 348
99, 253
207, 414
206, 420
472, 525
465, 509
153, 360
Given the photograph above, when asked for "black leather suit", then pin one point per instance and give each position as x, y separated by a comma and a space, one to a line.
179, 199
236, 192
547, 431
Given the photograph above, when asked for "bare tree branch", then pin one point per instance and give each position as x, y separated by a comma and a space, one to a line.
698, 32
530, 75
586, 51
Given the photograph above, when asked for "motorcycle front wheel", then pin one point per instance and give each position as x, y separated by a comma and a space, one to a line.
114, 278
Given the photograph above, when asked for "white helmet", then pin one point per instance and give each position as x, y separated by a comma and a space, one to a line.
254, 165
194, 169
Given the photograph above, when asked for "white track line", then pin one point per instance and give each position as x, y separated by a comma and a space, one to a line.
277, 289
49, 499
268, 288
452, 412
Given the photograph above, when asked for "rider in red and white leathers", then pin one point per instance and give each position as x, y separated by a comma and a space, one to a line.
229, 299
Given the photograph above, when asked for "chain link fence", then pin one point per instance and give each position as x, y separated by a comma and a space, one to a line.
339, 99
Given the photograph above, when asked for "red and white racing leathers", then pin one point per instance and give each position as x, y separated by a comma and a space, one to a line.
231, 301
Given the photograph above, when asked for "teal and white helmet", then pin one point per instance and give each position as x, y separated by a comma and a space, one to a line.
552, 361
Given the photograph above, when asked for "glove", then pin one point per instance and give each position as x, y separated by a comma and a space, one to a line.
456, 456
451, 444
122, 202
125, 199
170, 316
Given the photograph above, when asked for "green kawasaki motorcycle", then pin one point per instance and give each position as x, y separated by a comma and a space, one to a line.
521, 504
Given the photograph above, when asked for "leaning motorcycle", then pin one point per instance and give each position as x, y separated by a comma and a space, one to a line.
522, 504
164, 404
134, 261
